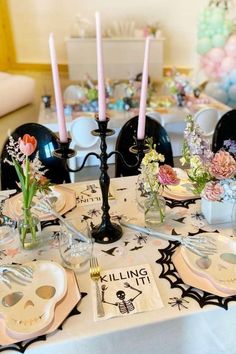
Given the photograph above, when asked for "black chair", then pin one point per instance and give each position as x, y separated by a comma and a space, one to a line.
224, 130
127, 137
46, 144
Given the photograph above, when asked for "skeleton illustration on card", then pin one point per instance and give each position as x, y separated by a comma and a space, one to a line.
126, 291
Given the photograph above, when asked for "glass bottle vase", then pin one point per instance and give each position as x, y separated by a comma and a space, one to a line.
29, 229
154, 209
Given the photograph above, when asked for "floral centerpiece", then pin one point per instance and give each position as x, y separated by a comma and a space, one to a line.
155, 176
31, 180
213, 175
179, 86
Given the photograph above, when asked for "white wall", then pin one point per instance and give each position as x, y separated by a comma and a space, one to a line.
33, 20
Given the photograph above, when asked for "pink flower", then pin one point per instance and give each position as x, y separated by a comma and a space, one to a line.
27, 144
213, 191
223, 165
167, 176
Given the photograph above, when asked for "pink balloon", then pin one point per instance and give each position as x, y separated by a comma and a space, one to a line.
216, 55
210, 71
231, 39
228, 64
230, 49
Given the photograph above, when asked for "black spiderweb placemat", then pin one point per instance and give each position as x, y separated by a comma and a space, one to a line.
170, 273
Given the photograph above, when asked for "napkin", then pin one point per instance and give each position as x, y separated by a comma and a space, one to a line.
6, 194
126, 291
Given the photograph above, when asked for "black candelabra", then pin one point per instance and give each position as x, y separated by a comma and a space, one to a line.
107, 231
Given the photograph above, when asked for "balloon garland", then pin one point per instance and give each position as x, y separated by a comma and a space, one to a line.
216, 46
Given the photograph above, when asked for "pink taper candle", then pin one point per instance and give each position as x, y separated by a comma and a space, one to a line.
100, 71
143, 97
57, 91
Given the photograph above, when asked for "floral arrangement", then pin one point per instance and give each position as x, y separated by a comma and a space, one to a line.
30, 174
120, 95
156, 176
213, 174
178, 84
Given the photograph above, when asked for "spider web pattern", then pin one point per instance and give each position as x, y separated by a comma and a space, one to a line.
170, 273
179, 203
22, 346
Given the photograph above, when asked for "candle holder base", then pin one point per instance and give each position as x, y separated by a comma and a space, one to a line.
64, 152
106, 233
61, 154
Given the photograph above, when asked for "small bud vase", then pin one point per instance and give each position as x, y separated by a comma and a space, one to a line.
29, 229
154, 209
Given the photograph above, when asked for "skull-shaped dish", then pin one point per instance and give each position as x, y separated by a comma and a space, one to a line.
29, 309
219, 268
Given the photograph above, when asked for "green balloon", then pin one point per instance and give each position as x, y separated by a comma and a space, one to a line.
229, 25
219, 11
218, 40
216, 20
201, 34
207, 13
204, 45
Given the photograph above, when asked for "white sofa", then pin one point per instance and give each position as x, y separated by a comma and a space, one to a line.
15, 91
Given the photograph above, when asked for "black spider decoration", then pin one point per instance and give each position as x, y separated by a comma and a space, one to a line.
197, 215
94, 212
180, 302
140, 238
116, 217
55, 235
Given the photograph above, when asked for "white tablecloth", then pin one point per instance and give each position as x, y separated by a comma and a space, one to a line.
182, 329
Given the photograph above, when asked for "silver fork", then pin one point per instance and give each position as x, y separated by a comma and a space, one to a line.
21, 274
95, 276
198, 244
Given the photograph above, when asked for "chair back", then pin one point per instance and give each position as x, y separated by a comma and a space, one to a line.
225, 129
80, 132
47, 142
207, 119
127, 138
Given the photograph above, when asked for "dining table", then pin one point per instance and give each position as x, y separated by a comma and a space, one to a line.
163, 109
189, 319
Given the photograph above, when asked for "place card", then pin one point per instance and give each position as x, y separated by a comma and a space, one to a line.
126, 291
90, 193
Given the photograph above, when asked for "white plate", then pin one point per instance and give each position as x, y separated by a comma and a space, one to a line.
31, 309
221, 271
183, 190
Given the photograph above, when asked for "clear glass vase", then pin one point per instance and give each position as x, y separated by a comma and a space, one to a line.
29, 229
154, 209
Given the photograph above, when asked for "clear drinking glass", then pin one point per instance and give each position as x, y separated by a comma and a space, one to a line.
75, 252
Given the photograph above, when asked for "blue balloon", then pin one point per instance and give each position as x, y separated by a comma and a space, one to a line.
232, 92
220, 95
225, 84
231, 103
232, 76
211, 87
